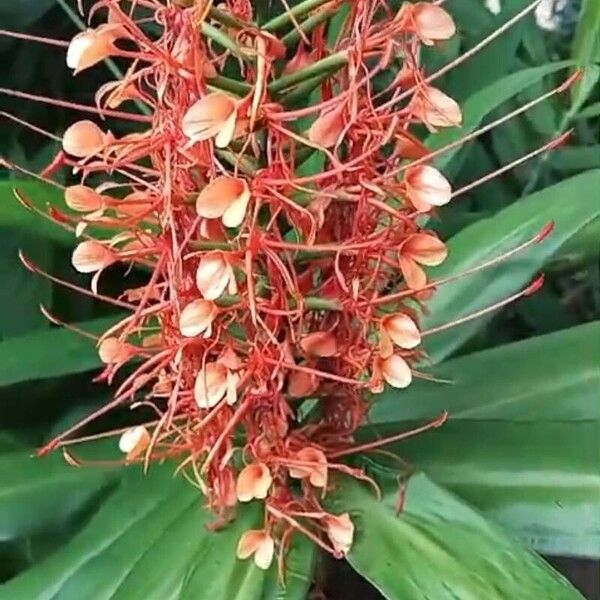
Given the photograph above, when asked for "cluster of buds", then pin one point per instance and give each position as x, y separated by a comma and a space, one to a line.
280, 299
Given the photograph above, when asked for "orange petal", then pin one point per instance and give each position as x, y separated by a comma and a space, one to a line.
396, 372
113, 351
90, 47
427, 187
254, 481
408, 146
432, 23
134, 441
259, 543
209, 117
197, 317
340, 531
425, 249
91, 256
413, 274
435, 108
328, 127
316, 471
402, 330
225, 197
321, 344
211, 385
83, 199
301, 385
83, 139
213, 275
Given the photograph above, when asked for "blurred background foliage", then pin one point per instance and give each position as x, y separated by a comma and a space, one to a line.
46, 373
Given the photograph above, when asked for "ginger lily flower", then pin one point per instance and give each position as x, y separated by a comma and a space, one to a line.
92, 46
328, 127
420, 249
398, 329
259, 543
213, 116
431, 23
213, 383
253, 482
301, 384
197, 317
435, 108
225, 198
315, 469
215, 275
83, 199
340, 531
134, 441
395, 370
91, 256
426, 187
114, 351
322, 344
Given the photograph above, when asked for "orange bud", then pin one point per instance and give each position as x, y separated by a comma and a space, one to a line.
91, 256
91, 47
83, 199
114, 351
215, 275
84, 139
134, 441
395, 371
402, 330
328, 127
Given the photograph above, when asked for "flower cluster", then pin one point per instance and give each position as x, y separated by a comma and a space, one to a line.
280, 215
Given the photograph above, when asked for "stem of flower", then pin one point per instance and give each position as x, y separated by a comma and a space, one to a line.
298, 11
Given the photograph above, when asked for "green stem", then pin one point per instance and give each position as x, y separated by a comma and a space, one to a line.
335, 61
227, 84
227, 19
214, 34
293, 37
298, 11
304, 90
310, 302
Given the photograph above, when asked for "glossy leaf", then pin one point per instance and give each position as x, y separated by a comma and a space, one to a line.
521, 443
438, 547
567, 204
482, 103
50, 353
149, 540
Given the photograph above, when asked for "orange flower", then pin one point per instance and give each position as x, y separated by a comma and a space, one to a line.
197, 318
84, 139
420, 249
215, 275
398, 329
395, 371
134, 441
91, 256
435, 108
213, 116
426, 187
301, 384
83, 199
340, 531
315, 469
322, 344
92, 46
213, 383
431, 23
225, 198
328, 127
254, 481
259, 543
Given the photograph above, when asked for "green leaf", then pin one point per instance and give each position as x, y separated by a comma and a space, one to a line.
149, 540
567, 204
37, 494
482, 103
576, 158
586, 46
13, 215
440, 548
51, 353
22, 13
521, 443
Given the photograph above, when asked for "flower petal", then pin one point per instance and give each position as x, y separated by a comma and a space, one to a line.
402, 330
83, 139
396, 372
427, 187
425, 249
432, 23
197, 317
326, 130
211, 385
213, 275
91, 256
134, 441
253, 481
321, 344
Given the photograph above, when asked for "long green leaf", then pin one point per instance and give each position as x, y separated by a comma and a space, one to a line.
149, 540
569, 204
481, 104
439, 548
50, 353
523, 436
